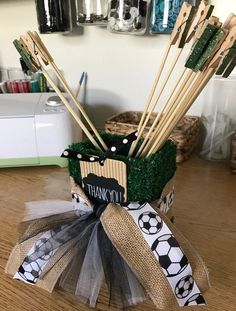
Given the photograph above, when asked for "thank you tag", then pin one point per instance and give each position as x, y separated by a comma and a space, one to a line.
107, 183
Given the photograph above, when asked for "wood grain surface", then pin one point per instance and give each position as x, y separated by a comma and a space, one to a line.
205, 210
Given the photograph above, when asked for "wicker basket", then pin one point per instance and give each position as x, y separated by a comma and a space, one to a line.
186, 134
233, 154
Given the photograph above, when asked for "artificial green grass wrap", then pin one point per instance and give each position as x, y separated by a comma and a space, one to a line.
146, 177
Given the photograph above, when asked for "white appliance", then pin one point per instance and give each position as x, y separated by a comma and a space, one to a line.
34, 130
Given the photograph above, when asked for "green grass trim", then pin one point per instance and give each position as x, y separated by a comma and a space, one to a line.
146, 177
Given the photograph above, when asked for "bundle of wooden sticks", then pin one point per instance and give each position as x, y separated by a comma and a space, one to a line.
212, 51
36, 57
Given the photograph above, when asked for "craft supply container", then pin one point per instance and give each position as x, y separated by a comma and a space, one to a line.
219, 118
4, 75
91, 12
54, 16
128, 16
164, 14
186, 135
146, 177
15, 73
3, 80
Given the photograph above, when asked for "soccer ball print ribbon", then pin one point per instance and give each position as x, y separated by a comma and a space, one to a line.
169, 254
162, 243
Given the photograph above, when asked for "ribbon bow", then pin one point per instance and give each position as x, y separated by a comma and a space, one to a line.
84, 249
113, 150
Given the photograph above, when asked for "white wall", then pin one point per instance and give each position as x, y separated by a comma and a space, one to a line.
120, 68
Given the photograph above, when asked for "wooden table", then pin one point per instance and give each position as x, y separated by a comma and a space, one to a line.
205, 210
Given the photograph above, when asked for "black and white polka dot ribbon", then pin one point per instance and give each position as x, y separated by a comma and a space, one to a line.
113, 150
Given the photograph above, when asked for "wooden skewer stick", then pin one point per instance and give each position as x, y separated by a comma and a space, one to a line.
78, 105
159, 115
155, 84
186, 108
32, 60
170, 107
188, 100
195, 79
174, 103
147, 105
140, 132
65, 102
216, 60
178, 36
175, 112
195, 95
204, 11
166, 116
45, 54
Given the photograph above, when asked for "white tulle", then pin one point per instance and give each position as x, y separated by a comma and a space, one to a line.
92, 274
138, 294
46, 208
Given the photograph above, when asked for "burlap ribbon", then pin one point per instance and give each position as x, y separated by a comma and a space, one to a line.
128, 239
133, 248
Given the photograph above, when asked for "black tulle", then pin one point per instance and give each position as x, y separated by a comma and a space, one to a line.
114, 269
95, 259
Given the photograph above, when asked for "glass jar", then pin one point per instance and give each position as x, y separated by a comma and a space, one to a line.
128, 16
164, 14
92, 12
15, 73
4, 76
218, 118
54, 16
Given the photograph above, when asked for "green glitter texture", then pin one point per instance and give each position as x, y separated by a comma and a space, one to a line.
210, 48
200, 46
146, 177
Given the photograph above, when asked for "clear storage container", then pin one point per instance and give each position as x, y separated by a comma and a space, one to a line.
219, 118
54, 16
128, 16
164, 14
92, 12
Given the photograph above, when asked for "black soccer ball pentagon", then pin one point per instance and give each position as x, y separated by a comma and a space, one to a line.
150, 223
29, 272
195, 300
184, 287
135, 206
170, 255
